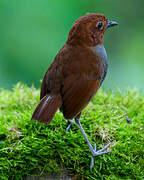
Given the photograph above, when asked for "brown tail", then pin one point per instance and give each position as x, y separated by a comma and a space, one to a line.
47, 108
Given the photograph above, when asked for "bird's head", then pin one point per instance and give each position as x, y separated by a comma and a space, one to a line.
89, 30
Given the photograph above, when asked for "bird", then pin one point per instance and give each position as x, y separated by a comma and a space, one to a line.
76, 74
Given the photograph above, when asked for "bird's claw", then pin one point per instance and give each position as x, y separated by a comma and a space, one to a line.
98, 153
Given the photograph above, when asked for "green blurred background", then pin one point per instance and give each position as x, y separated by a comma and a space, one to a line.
33, 31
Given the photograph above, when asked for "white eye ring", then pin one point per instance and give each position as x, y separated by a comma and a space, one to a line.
99, 25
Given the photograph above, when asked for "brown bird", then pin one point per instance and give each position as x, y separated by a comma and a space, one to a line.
76, 74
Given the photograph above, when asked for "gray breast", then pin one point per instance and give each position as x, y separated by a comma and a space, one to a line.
100, 51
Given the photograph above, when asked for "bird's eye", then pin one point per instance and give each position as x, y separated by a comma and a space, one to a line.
99, 25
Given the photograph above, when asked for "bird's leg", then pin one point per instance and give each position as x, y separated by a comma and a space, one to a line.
69, 125
93, 151
71, 122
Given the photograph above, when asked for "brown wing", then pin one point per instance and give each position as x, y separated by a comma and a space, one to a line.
75, 75
52, 80
82, 75
76, 94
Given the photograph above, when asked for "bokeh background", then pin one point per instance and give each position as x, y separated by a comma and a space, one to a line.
33, 31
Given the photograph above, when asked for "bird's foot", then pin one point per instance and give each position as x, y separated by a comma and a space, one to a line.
70, 124
98, 153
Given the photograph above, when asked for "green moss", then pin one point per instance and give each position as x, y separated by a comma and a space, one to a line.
26, 146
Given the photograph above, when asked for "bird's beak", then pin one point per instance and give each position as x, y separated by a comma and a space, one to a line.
110, 24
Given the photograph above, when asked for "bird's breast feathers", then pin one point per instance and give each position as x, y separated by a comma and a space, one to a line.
101, 52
